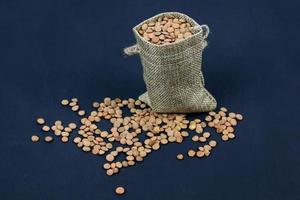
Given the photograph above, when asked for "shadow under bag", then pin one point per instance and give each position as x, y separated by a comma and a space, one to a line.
172, 72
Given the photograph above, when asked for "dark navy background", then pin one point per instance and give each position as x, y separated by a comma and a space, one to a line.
54, 49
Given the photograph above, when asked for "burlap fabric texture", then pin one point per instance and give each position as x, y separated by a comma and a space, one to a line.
172, 72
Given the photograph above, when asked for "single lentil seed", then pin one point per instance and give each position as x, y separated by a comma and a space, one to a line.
202, 139
35, 138
120, 190
224, 137
72, 125
46, 128
75, 108
212, 143
206, 134
57, 123
76, 140
179, 156
106, 166
74, 100
64, 139
195, 138
110, 158
231, 135
223, 109
239, 117
109, 172
81, 112
40, 121
191, 153
48, 139
65, 102
200, 154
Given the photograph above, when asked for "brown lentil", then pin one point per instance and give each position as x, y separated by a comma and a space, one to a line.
46, 128
64, 102
72, 125
212, 143
35, 138
48, 139
120, 190
40, 121
179, 156
64, 139
191, 153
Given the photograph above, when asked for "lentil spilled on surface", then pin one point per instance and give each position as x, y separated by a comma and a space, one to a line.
123, 138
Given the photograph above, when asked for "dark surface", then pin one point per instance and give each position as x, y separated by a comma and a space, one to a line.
56, 49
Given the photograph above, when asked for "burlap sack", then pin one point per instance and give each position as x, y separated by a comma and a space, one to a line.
172, 72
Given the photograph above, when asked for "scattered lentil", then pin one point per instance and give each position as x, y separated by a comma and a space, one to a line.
239, 116
64, 102
81, 112
46, 128
180, 156
212, 143
120, 190
75, 108
64, 139
48, 139
35, 138
160, 129
191, 153
40, 121
72, 125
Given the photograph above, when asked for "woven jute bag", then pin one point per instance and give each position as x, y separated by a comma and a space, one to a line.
172, 72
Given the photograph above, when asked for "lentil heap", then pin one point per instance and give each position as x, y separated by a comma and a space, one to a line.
124, 135
165, 30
